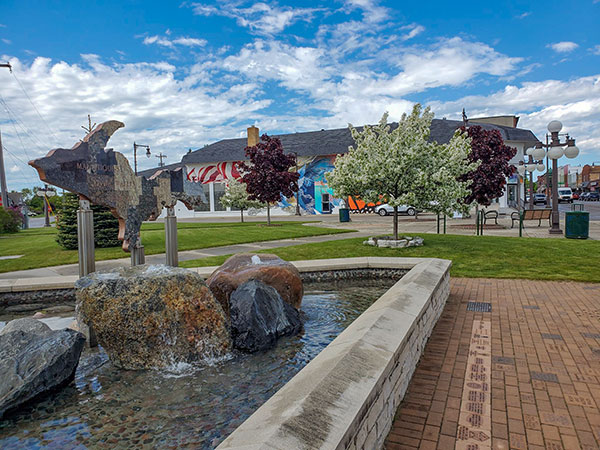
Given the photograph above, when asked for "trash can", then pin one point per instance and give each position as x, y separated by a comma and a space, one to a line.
344, 215
577, 224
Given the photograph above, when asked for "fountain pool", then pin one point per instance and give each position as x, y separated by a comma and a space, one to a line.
183, 406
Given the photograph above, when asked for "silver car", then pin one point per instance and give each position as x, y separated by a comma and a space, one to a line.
385, 209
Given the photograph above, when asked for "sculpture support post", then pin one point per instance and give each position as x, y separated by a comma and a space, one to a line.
171, 238
87, 257
85, 238
137, 252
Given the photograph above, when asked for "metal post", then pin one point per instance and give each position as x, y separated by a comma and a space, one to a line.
87, 263
477, 222
438, 223
85, 238
171, 238
531, 206
444, 223
555, 214
137, 252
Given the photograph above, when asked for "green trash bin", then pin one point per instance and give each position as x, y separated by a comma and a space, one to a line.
344, 215
577, 224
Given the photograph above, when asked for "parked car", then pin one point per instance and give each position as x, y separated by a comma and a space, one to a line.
593, 196
540, 198
385, 209
565, 195
583, 196
575, 196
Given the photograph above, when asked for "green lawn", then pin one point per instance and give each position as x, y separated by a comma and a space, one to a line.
472, 256
41, 250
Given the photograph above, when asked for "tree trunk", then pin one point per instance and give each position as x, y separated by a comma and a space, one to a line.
268, 214
242, 214
395, 222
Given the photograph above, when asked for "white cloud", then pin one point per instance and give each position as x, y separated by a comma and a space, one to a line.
522, 16
2, 25
6, 41
261, 18
14, 169
563, 47
596, 50
575, 102
171, 43
169, 114
414, 31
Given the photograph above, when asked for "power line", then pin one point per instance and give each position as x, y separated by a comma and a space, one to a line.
34, 107
15, 120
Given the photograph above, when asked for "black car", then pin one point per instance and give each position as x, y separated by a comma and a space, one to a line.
593, 196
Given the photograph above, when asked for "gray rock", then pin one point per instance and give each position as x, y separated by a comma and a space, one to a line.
259, 316
27, 325
153, 316
35, 360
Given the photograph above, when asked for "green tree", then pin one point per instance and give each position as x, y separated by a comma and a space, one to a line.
106, 226
236, 196
403, 166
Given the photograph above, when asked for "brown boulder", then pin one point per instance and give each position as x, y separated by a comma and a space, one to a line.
270, 269
153, 316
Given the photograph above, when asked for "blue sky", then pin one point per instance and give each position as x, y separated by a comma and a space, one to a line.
182, 75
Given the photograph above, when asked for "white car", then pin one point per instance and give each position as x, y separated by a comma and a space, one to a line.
385, 209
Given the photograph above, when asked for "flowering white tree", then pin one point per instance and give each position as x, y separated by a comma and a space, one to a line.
401, 166
236, 196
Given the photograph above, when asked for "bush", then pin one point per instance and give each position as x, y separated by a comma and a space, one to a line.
11, 220
106, 226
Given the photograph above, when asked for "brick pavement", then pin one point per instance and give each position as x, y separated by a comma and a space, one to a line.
545, 369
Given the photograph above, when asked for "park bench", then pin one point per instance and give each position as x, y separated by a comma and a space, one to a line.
490, 215
531, 214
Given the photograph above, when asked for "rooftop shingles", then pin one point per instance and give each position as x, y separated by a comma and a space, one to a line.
335, 142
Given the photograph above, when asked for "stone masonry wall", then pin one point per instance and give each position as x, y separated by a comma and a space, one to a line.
375, 424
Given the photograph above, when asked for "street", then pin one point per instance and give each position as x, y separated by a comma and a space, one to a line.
592, 207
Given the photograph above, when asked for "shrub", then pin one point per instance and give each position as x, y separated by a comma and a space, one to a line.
106, 226
11, 220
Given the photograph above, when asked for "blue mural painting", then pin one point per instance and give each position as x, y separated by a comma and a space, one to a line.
314, 196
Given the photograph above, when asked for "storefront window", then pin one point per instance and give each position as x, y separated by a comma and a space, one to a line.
219, 190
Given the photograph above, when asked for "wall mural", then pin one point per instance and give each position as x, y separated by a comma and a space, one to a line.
314, 195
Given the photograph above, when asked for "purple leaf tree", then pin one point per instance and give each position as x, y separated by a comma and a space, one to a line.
267, 175
489, 178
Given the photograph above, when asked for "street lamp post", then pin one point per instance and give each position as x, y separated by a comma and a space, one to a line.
135, 147
555, 151
531, 165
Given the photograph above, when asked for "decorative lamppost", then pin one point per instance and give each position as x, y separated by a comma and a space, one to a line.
530, 166
135, 147
555, 151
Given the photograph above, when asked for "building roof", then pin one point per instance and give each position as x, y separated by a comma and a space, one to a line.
149, 172
335, 142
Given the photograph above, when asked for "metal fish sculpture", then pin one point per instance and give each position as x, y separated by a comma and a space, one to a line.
104, 177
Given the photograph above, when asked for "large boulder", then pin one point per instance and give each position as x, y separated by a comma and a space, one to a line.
153, 316
34, 360
270, 269
259, 316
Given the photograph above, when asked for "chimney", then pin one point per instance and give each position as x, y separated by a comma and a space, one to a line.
252, 136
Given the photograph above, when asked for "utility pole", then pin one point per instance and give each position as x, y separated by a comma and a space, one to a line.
161, 156
3, 189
